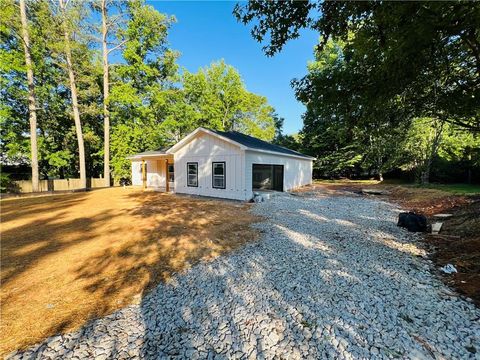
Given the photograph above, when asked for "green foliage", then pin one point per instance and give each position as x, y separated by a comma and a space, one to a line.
293, 142
216, 97
347, 138
5, 182
13, 95
152, 104
129, 139
393, 85
419, 142
454, 146
140, 86
423, 55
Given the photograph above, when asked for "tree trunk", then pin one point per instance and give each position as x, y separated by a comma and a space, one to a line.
380, 166
32, 103
73, 90
425, 175
469, 171
106, 93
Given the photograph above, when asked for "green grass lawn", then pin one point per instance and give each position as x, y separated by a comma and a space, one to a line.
457, 189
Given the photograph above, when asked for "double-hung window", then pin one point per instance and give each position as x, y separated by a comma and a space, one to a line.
218, 175
192, 174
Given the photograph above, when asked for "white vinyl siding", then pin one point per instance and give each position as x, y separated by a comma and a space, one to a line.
206, 149
297, 171
136, 172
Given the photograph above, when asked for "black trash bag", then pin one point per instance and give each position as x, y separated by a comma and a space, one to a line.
412, 222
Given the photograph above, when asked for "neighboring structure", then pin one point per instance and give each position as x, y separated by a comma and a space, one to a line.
221, 164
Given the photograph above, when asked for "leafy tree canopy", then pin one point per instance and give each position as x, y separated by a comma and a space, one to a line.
425, 53
151, 104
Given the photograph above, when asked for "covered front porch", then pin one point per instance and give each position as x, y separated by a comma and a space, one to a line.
153, 170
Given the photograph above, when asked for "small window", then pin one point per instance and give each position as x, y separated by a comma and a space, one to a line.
171, 172
218, 175
192, 174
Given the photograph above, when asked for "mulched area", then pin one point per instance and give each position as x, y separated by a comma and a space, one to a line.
459, 244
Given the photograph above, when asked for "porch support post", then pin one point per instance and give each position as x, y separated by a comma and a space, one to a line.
167, 189
144, 176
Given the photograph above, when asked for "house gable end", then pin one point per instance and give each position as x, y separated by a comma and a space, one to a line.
198, 133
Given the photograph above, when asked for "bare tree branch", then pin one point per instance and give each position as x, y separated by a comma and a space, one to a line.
117, 46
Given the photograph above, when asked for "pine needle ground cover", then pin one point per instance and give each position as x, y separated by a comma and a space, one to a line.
70, 258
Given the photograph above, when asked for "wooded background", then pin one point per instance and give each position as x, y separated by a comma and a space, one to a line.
102, 84
393, 88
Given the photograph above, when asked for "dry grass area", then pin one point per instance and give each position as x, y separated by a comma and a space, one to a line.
69, 258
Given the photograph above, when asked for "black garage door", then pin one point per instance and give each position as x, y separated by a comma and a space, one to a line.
268, 177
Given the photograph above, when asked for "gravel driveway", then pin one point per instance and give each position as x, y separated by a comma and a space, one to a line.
330, 277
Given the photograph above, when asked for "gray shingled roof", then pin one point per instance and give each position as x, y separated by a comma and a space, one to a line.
254, 143
242, 139
161, 151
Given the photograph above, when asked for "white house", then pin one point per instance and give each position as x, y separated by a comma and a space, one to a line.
221, 164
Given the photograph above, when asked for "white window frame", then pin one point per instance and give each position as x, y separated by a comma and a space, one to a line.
223, 176
189, 184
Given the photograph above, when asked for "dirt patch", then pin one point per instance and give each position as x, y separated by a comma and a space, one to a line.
459, 239
70, 258
459, 244
324, 189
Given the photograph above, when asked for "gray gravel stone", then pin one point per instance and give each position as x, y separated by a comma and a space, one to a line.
331, 277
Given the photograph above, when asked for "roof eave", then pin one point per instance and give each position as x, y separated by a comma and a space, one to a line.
187, 139
305, 157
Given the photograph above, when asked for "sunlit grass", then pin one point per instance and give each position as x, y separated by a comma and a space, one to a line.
457, 189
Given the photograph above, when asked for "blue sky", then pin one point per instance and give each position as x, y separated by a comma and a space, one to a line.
207, 31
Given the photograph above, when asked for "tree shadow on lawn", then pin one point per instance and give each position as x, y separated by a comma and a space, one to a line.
173, 234
34, 277
14, 208
31, 231
99, 254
